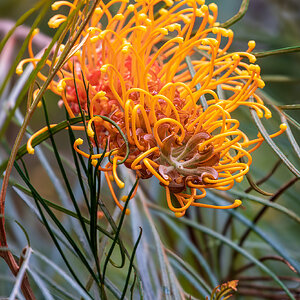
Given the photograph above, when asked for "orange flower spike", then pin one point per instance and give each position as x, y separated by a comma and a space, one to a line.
134, 164
149, 164
124, 198
29, 147
236, 203
118, 181
57, 4
137, 76
35, 32
127, 212
283, 128
19, 69
184, 207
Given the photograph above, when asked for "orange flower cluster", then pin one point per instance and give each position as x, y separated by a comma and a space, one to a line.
158, 70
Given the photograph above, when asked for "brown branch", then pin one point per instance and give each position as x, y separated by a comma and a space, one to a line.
260, 295
14, 267
266, 278
263, 210
258, 217
269, 257
265, 178
243, 9
267, 288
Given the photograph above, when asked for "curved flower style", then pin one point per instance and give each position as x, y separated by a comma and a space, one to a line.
174, 111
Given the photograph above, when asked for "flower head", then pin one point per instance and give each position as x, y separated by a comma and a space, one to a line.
166, 78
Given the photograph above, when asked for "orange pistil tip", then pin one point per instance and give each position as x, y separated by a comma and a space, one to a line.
169, 81
29, 147
100, 214
124, 198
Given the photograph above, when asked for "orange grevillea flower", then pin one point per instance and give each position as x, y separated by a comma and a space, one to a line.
162, 72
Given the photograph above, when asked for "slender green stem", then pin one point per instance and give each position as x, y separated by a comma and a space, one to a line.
131, 263
272, 144
289, 106
277, 51
118, 231
64, 210
280, 78
263, 210
243, 9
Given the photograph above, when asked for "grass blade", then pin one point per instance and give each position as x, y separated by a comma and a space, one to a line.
63, 274
159, 211
40, 283
272, 144
19, 278
131, 264
268, 203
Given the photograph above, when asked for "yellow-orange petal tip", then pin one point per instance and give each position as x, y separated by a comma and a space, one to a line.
55, 6
237, 202
268, 115
61, 86
130, 8
213, 7
19, 70
121, 184
35, 31
169, 2
90, 132
283, 126
103, 69
239, 179
124, 198
79, 141
251, 44
30, 150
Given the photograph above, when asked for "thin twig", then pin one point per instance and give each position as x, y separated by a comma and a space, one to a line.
230, 217
243, 9
269, 257
266, 288
265, 178
265, 278
289, 106
260, 295
277, 51
263, 210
